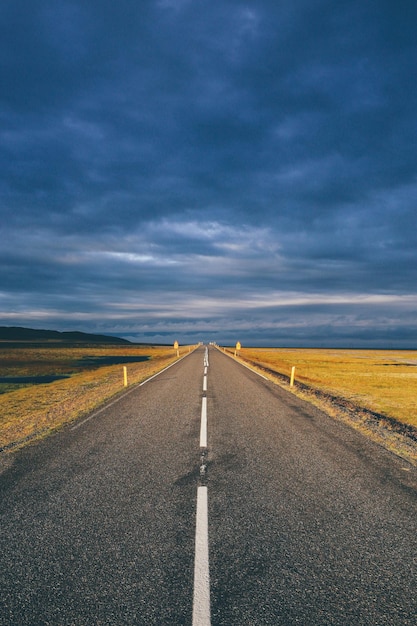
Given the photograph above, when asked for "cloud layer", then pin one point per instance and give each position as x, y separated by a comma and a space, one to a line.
210, 171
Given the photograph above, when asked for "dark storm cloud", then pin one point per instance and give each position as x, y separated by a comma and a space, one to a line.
185, 167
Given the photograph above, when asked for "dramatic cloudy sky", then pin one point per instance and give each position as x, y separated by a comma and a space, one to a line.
210, 169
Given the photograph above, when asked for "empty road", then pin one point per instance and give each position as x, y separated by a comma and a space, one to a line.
207, 496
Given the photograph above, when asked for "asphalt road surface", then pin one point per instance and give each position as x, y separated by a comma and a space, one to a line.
305, 520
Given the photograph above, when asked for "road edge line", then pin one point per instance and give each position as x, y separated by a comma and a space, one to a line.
126, 393
244, 364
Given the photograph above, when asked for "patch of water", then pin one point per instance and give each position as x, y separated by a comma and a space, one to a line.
32, 380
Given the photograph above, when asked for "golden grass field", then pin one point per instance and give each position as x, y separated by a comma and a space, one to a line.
383, 382
31, 411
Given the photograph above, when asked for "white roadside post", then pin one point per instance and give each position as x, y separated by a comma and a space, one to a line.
124, 376
292, 376
238, 347
176, 347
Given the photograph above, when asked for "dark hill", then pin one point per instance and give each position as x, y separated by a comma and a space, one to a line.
17, 334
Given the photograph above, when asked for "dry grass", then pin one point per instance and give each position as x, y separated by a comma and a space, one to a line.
362, 387
381, 381
32, 411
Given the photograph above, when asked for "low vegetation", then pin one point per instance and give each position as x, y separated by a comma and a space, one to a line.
377, 389
31, 410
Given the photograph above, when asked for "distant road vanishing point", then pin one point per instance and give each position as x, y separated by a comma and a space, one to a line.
208, 495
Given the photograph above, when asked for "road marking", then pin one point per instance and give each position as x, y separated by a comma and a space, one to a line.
205, 383
162, 371
248, 367
87, 419
131, 390
201, 600
203, 426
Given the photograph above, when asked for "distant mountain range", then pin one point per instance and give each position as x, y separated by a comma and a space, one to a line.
17, 334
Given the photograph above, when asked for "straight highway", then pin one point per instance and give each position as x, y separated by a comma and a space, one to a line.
207, 496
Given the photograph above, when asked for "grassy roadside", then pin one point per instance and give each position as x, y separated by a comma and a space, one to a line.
372, 390
34, 411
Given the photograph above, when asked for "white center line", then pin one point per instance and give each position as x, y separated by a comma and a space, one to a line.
203, 427
205, 383
201, 600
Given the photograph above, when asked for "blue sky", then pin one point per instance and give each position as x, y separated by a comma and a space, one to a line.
198, 170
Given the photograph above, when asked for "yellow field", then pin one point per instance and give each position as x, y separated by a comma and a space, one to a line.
383, 381
32, 411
